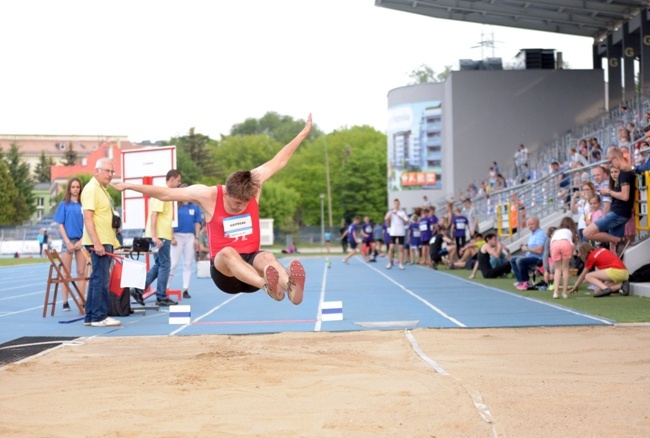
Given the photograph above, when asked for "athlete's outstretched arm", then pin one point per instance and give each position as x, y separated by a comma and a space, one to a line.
268, 169
194, 193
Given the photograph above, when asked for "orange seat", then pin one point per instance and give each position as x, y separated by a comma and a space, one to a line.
59, 274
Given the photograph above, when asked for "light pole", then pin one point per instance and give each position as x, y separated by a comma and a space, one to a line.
322, 220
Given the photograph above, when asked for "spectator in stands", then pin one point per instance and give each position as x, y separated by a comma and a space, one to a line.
70, 218
521, 265
491, 250
626, 167
610, 275
611, 227
623, 137
580, 206
595, 210
492, 178
501, 182
521, 163
564, 183
576, 160
601, 182
517, 212
595, 150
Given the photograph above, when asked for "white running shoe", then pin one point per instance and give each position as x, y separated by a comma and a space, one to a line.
388, 266
108, 322
401, 266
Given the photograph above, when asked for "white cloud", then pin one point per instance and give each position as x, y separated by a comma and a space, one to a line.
153, 69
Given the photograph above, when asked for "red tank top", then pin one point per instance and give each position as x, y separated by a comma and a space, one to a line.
240, 231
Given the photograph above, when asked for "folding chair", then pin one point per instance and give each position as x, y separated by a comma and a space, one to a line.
59, 274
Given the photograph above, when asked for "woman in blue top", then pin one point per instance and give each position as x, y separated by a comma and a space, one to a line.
70, 218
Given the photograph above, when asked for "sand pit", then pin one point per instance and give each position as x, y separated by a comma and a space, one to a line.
533, 382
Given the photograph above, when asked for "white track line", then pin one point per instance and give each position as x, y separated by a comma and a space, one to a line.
417, 297
477, 399
319, 323
512, 294
205, 314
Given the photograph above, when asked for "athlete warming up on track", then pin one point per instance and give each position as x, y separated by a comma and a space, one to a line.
232, 218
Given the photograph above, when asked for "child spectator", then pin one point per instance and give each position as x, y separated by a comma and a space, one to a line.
610, 275
547, 264
580, 205
459, 225
414, 239
562, 248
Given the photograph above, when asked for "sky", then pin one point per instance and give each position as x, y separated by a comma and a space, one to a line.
151, 70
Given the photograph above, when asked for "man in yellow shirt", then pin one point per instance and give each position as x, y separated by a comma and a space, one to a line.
159, 230
99, 238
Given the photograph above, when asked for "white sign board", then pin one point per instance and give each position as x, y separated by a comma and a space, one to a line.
138, 166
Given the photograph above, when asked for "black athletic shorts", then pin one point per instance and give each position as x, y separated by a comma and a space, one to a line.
232, 285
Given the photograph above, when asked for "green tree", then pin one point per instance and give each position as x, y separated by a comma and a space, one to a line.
188, 168
280, 203
8, 195
42, 171
357, 158
425, 74
280, 128
25, 203
243, 153
198, 148
70, 157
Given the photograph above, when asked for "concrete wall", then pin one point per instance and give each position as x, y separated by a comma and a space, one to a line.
486, 115
493, 112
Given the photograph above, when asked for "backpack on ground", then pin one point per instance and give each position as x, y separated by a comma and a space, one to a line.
120, 305
641, 275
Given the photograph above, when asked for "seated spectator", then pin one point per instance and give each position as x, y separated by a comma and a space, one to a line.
521, 265
580, 206
468, 253
610, 275
611, 227
576, 160
291, 249
437, 249
491, 250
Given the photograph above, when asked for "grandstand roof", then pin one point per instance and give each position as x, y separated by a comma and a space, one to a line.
589, 18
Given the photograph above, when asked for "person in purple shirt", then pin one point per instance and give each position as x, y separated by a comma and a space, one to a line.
413, 231
459, 225
351, 235
425, 235
369, 252
384, 230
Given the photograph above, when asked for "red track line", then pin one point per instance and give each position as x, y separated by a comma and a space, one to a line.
282, 321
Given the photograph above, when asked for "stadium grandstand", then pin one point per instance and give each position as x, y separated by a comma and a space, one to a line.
542, 185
